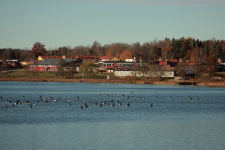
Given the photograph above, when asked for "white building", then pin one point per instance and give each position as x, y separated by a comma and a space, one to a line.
163, 74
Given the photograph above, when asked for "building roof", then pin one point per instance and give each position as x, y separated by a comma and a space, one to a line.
51, 57
105, 58
26, 62
221, 60
189, 71
53, 61
117, 62
83, 57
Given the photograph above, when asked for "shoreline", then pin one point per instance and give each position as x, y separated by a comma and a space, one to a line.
118, 81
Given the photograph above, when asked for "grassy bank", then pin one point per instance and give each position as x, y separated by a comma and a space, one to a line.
99, 78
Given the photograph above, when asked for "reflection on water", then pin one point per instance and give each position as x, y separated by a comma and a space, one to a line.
173, 122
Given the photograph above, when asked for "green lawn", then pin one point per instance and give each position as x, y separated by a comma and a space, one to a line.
51, 74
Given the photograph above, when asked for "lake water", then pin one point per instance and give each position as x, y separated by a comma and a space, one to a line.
159, 116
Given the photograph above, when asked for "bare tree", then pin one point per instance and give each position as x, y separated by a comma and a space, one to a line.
154, 72
38, 49
30, 72
95, 49
4, 68
210, 67
180, 69
61, 68
71, 69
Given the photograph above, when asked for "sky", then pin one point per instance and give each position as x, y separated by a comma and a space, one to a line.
57, 23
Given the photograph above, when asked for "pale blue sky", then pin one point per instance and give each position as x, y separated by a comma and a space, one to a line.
57, 23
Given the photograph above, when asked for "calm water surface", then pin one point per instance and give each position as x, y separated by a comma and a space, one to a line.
159, 116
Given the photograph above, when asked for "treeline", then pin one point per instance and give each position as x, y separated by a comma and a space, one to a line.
185, 48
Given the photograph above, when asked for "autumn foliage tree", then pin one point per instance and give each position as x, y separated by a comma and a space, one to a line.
126, 54
38, 49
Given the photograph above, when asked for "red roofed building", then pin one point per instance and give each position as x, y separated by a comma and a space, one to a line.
173, 60
40, 58
83, 57
221, 61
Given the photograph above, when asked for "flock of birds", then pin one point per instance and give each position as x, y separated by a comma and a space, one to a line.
85, 103
41, 99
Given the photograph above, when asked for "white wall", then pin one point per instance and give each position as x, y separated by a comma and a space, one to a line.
120, 73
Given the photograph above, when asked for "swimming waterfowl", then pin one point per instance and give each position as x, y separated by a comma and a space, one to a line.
112, 105
128, 104
8, 101
17, 102
27, 102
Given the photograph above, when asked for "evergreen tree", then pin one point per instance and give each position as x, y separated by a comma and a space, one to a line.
206, 49
157, 51
217, 51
